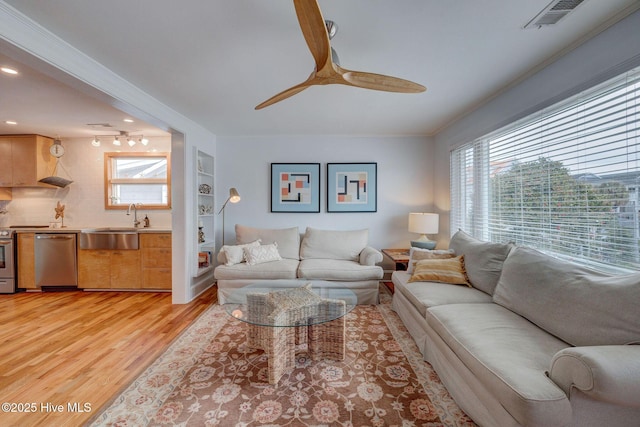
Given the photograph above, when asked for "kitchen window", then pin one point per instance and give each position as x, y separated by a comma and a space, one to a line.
137, 178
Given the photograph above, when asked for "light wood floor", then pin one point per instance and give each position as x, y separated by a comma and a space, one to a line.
62, 348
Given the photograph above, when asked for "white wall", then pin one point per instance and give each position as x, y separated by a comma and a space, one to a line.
84, 198
405, 182
610, 53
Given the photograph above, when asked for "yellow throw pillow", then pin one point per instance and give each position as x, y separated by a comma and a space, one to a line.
449, 270
417, 254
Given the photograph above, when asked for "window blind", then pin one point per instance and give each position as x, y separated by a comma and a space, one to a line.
565, 180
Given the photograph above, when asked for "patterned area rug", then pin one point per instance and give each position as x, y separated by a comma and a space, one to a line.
209, 377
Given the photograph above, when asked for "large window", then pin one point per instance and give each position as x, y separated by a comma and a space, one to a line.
565, 180
137, 178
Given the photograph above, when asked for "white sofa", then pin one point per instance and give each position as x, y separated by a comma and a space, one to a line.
326, 258
535, 341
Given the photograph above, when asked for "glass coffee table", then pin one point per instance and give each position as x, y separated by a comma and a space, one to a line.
282, 319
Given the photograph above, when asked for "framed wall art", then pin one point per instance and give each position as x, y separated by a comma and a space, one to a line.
352, 187
295, 187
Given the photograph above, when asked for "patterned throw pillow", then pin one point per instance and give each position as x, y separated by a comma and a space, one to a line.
261, 254
449, 270
235, 254
417, 254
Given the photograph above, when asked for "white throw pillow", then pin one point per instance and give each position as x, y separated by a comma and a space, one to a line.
261, 254
234, 254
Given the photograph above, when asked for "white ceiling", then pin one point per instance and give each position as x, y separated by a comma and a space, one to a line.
214, 60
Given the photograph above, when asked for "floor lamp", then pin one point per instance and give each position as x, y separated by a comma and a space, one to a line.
234, 197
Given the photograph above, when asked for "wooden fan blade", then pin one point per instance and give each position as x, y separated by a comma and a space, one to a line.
380, 82
314, 31
286, 94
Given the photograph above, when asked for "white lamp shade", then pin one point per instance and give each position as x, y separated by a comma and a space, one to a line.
423, 223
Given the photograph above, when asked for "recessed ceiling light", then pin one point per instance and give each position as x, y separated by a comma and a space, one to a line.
11, 122
8, 70
128, 120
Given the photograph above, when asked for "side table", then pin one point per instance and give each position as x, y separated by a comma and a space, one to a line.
399, 256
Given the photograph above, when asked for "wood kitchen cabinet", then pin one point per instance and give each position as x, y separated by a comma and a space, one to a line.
94, 269
25, 159
108, 269
146, 268
125, 270
26, 261
156, 260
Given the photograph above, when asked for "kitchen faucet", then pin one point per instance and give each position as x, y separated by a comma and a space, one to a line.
135, 207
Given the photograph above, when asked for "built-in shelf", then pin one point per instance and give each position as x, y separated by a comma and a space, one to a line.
204, 270
205, 210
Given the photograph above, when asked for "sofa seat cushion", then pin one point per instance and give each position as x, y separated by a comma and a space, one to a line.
283, 269
332, 269
430, 294
509, 355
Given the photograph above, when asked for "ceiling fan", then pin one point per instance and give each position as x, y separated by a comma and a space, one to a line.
318, 32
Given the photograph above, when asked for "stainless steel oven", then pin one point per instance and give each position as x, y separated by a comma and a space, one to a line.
7, 262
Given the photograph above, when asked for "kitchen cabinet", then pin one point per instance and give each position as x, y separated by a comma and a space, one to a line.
109, 269
156, 260
26, 261
94, 269
149, 267
25, 159
146, 268
125, 270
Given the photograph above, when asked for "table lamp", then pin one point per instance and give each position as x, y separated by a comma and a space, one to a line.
423, 223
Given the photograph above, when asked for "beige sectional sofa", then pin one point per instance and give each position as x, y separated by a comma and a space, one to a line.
326, 258
534, 341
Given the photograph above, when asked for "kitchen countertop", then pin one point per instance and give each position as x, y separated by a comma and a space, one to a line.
79, 230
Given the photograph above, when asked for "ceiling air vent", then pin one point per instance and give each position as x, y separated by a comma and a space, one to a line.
100, 125
555, 11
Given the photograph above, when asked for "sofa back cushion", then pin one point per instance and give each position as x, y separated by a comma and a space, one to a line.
578, 305
333, 244
288, 239
482, 260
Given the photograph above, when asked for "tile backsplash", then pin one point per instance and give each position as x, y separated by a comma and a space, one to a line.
84, 198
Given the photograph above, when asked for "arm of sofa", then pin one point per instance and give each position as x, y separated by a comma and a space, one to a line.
370, 256
608, 373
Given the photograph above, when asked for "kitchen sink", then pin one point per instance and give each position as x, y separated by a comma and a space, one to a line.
120, 238
111, 230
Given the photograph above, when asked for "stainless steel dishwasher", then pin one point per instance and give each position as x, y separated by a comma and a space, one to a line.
56, 263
